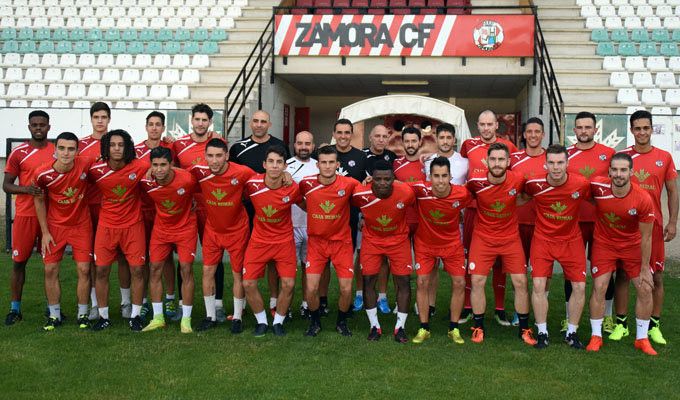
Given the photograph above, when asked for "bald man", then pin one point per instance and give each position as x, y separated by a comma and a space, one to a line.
378, 139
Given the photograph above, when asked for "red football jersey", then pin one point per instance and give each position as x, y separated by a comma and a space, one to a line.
651, 171
22, 163
91, 147
188, 152
439, 219
496, 205
384, 219
222, 196
173, 201
589, 163
475, 150
328, 206
409, 171
558, 207
272, 222
144, 153
66, 203
121, 203
618, 219
530, 167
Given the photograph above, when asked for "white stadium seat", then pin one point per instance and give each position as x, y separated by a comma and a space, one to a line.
180, 61
167, 105
124, 60
612, 63
134, 12
234, 11
86, 60
110, 75
158, 92
162, 61
142, 61
201, 61
613, 23
673, 97
52, 75
30, 60
661, 110
619, 79
170, 76
150, 76
18, 104
174, 23
68, 60
631, 109
104, 60
652, 97
193, 23
656, 63
137, 92
107, 23
190, 76
673, 63
90, 75
36, 90
12, 59
39, 104
228, 23
607, 11
49, 60
71, 75
125, 104
626, 11
16, 90
643, 80
60, 104
635, 63
671, 22
33, 74
56, 90
179, 92
664, 11
81, 104
652, 22
130, 76
14, 74
627, 96
644, 11
632, 22
117, 91
151, 12
96, 91
102, 12
665, 80
56, 22
208, 22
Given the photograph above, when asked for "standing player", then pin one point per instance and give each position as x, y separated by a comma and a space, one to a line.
557, 198
475, 150
222, 184
623, 232
497, 198
438, 237
120, 226
21, 164
271, 239
383, 205
589, 159
251, 153
327, 197
378, 139
299, 166
171, 190
653, 169
64, 218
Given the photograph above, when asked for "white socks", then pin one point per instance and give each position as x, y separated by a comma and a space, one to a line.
608, 308
642, 328
372, 314
401, 320
219, 303
261, 317
571, 329
136, 310
239, 306
272, 302
82, 309
125, 296
104, 312
382, 296
93, 297
157, 309
55, 310
596, 327
360, 293
542, 328
209, 306
186, 311
278, 318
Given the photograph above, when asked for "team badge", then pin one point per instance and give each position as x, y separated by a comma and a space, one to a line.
472, 266
575, 195
488, 35
603, 157
307, 265
132, 176
659, 163
341, 192
416, 266
400, 205
455, 204
83, 176
512, 192
15, 253
285, 199
632, 211
180, 191
386, 157
351, 163
594, 270
234, 182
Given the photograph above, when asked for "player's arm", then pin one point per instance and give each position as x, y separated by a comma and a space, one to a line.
670, 230
41, 213
10, 187
646, 251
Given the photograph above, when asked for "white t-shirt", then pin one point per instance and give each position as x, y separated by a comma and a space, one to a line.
298, 170
459, 167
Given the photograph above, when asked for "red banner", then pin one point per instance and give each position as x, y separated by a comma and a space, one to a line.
405, 35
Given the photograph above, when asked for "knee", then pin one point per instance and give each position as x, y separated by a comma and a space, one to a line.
187, 271
346, 288
249, 285
458, 283
287, 284
579, 287
423, 281
51, 271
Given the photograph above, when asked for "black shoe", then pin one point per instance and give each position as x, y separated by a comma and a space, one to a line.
432, 311
236, 326
83, 322
206, 324
260, 330
278, 330
400, 336
541, 341
573, 341
102, 323
323, 310
342, 329
136, 324
289, 316
51, 324
304, 312
13, 317
375, 334
313, 330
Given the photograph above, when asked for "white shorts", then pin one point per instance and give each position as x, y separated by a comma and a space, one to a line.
300, 235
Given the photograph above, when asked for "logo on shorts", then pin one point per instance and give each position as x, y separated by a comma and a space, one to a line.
83, 176
488, 35
307, 265
512, 192
594, 270
400, 205
234, 181
472, 266
181, 191
603, 157
285, 199
409, 267
15, 253
455, 204
659, 163
575, 195
341, 192
417, 266
351, 163
132, 176
632, 211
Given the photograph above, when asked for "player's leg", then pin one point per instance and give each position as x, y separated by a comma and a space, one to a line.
572, 256
53, 294
499, 280
83, 291
94, 219
601, 276
80, 239
254, 264
133, 245
323, 290
541, 272
273, 284
317, 256
137, 287
311, 292
168, 275
212, 255
456, 307
105, 253
286, 269
644, 304
299, 243
237, 251
187, 271
432, 292
24, 234
344, 304
514, 263
341, 255
469, 218
383, 278
156, 270
657, 263
401, 267
425, 265
481, 259
370, 260
124, 281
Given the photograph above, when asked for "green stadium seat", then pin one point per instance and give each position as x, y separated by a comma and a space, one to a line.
182, 35
8, 34
129, 35
627, 49
218, 35
135, 48
60, 34
669, 49
620, 35
118, 48
165, 35
172, 48
10, 46
210, 48
83, 47
606, 49
100, 47
154, 48
661, 35
25, 34
112, 35
599, 35
46, 46
201, 35
95, 35
77, 34
43, 34
191, 48
147, 35
676, 36
639, 35
27, 46
63, 47
648, 49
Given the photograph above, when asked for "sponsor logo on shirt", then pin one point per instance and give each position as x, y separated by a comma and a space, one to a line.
327, 206
587, 170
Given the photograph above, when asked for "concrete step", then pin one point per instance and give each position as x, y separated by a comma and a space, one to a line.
257, 22
245, 34
586, 78
237, 46
257, 12
559, 11
595, 108
571, 48
573, 35
231, 60
577, 94
572, 62
561, 22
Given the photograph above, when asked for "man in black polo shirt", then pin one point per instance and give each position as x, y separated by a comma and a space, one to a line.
378, 140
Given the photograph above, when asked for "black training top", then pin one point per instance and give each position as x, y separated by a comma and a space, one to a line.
371, 158
352, 164
251, 154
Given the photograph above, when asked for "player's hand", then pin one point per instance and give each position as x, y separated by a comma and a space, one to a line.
33, 190
424, 157
168, 139
149, 175
47, 240
669, 232
287, 178
646, 276
367, 180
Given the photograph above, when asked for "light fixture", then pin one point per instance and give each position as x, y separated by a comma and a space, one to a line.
410, 93
405, 83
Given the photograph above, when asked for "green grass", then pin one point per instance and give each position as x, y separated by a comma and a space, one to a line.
117, 363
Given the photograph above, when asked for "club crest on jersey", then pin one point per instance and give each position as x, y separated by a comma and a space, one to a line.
234, 182
575, 195
341, 192
181, 191
400, 205
285, 199
455, 204
351, 163
512, 192
386, 157
132, 176
603, 157
659, 163
83, 176
632, 211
